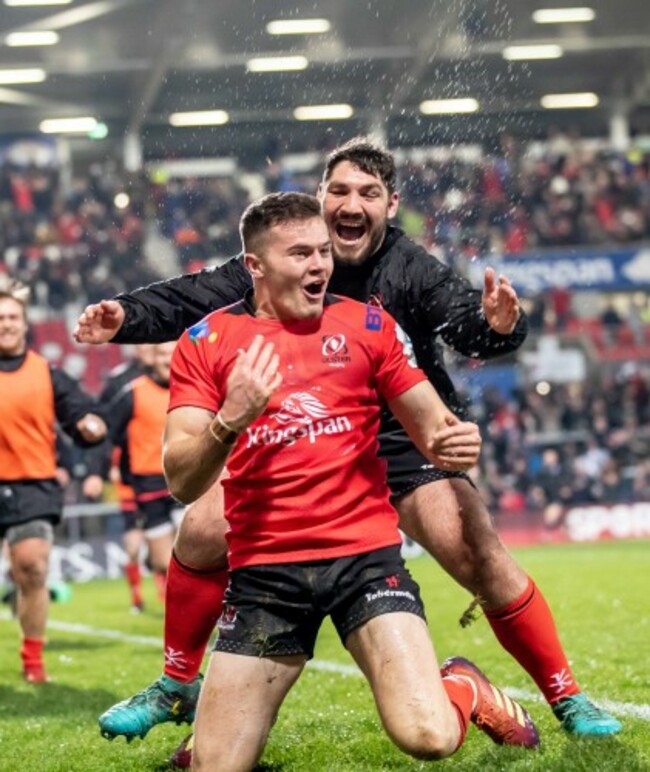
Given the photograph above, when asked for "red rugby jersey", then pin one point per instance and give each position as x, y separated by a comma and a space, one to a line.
306, 482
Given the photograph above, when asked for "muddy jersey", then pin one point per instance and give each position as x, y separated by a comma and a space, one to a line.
305, 479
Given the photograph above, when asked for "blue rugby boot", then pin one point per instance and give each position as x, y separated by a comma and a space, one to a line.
579, 716
165, 700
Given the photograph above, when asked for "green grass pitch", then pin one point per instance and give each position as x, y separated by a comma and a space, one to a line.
599, 594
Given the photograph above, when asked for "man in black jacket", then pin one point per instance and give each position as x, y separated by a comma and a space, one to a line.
375, 263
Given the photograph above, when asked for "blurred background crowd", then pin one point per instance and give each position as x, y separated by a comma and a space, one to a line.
78, 238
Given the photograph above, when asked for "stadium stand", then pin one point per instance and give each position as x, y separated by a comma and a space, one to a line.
87, 240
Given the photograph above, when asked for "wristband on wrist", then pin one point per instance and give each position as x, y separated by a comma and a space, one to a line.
222, 432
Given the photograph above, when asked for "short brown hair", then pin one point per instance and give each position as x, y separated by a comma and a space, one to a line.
368, 156
275, 209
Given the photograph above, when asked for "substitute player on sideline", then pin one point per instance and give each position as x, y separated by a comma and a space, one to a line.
136, 419
119, 473
34, 396
374, 262
286, 387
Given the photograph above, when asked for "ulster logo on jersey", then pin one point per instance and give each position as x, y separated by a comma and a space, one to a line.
335, 350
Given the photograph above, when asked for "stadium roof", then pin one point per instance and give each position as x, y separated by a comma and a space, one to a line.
133, 63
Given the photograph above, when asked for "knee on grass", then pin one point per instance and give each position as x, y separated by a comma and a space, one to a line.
426, 740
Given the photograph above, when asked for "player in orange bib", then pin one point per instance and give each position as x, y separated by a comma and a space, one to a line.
136, 418
119, 473
34, 396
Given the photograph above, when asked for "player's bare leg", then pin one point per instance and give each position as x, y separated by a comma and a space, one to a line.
448, 518
201, 538
29, 561
425, 715
160, 541
396, 655
239, 701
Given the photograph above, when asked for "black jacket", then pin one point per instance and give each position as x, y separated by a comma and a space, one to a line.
427, 299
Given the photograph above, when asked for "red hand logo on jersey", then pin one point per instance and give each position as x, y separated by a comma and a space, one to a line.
392, 581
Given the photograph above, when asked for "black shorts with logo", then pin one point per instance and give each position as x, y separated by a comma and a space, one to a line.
407, 467
277, 610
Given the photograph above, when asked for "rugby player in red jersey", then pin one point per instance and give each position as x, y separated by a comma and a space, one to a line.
286, 387
375, 262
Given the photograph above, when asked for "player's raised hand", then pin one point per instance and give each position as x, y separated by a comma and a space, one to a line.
99, 322
252, 380
457, 445
500, 303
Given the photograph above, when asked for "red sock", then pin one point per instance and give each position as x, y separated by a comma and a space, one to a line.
526, 630
461, 696
134, 578
160, 578
192, 607
31, 652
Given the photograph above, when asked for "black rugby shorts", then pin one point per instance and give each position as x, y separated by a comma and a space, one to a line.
277, 610
153, 512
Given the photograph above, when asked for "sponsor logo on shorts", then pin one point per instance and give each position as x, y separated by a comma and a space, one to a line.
228, 617
380, 594
335, 350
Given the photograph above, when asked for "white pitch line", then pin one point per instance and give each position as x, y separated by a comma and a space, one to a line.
630, 709
98, 632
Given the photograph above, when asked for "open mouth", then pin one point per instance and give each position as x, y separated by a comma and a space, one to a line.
314, 289
348, 232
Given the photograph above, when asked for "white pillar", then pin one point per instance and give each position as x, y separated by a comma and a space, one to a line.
132, 153
619, 129
64, 154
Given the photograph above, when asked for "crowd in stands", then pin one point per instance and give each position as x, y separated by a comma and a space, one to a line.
90, 238
82, 240
580, 443
516, 202
75, 246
